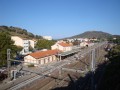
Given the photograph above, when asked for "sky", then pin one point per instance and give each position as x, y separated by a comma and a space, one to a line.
61, 18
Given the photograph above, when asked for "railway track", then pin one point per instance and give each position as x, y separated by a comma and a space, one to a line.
65, 79
52, 81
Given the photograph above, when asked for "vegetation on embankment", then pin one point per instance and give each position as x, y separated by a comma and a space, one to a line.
111, 77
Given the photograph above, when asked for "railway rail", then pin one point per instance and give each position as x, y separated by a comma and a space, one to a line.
51, 82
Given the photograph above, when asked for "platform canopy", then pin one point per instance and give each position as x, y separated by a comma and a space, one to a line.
69, 52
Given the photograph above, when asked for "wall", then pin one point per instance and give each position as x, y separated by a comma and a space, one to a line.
40, 61
17, 41
30, 59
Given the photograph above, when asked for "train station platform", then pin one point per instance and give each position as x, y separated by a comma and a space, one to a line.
69, 52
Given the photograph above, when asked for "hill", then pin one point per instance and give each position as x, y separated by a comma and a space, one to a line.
16, 31
92, 34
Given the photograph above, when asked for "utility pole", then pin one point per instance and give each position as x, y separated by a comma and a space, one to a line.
60, 73
8, 62
92, 70
93, 60
60, 57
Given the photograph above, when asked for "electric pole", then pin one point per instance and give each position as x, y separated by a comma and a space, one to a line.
8, 62
92, 70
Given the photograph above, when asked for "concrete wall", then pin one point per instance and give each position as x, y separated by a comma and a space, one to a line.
30, 59
17, 41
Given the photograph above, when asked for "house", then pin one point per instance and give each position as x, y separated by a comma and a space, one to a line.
41, 57
83, 44
62, 46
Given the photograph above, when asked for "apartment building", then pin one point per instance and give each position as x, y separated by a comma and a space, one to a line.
23, 42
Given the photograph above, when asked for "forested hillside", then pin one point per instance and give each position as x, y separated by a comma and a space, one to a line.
15, 31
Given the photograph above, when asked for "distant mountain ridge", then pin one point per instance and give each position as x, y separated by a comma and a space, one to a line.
16, 31
92, 34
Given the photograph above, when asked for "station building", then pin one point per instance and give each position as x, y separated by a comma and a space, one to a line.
64, 47
42, 57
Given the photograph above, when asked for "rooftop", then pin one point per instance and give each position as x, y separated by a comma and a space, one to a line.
69, 52
41, 54
64, 44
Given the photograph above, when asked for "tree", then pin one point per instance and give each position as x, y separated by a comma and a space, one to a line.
114, 52
44, 44
114, 39
6, 43
111, 77
30, 48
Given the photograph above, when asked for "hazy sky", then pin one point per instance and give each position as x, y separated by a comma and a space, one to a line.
61, 18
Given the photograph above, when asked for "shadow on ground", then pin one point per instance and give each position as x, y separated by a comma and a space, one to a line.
105, 77
85, 83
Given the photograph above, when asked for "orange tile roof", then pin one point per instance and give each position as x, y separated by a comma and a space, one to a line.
41, 54
64, 44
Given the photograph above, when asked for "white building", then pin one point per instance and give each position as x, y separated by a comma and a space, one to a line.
86, 39
47, 37
62, 46
17, 41
25, 46
32, 43
83, 44
25, 43
70, 40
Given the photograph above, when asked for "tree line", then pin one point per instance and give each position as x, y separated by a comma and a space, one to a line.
7, 43
44, 44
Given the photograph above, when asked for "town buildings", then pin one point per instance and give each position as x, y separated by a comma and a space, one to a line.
55, 54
